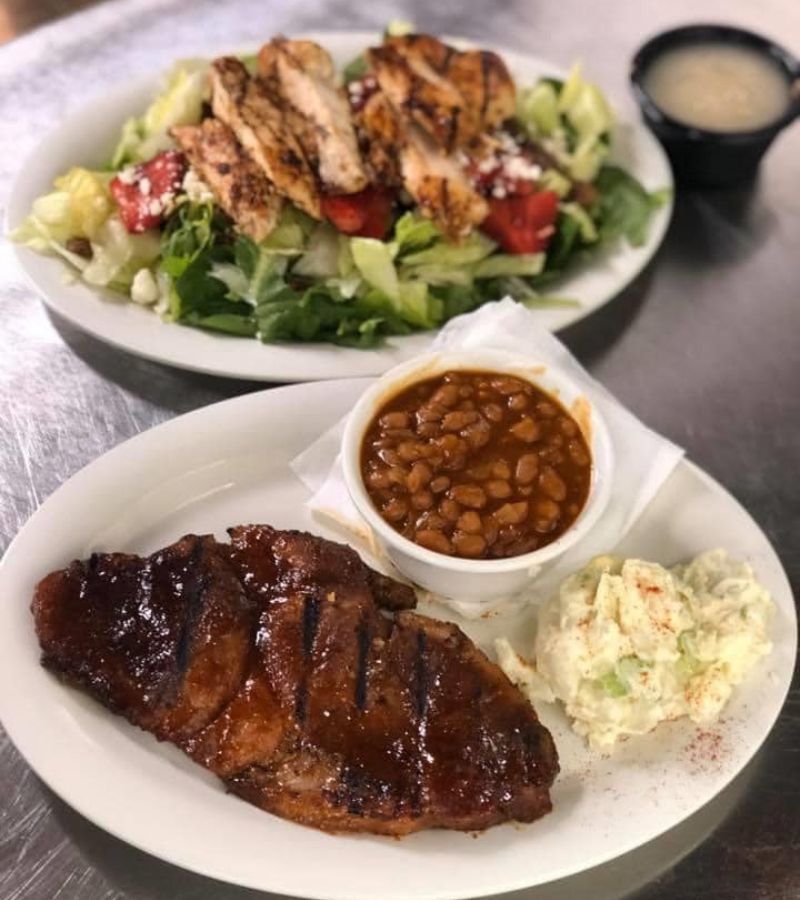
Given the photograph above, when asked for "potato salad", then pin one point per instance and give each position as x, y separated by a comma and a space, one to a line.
627, 644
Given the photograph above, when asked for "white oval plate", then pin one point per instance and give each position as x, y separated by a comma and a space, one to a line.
229, 464
87, 138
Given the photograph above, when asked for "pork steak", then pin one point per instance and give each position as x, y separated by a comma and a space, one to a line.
303, 679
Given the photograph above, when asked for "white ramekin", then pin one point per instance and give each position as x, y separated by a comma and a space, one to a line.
476, 579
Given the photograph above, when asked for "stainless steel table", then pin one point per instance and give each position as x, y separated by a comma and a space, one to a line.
705, 347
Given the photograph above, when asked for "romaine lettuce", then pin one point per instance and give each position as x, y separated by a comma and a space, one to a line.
180, 103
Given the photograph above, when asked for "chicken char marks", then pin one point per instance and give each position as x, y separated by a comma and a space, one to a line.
274, 662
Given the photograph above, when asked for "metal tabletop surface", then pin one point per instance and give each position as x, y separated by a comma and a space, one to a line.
704, 347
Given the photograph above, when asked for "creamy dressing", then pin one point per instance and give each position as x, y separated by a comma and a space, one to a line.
718, 87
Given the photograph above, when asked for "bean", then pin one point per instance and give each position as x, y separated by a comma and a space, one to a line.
466, 390
410, 451
517, 402
527, 467
378, 478
394, 420
428, 429
552, 484
397, 475
555, 440
478, 434
431, 412
449, 509
398, 434
455, 421
578, 453
506, 386
493, 412
545, 515
512, 513
422, 500
448, 443
480, 472
470, 495
490, 529
546, 410
568, 426
469, 522
439, 484
501, 469
433, 540
419, 476
573, 509
430, 520
527, 430
525, 490
447, 395
389, 456
469, 544
395, 510
498, 489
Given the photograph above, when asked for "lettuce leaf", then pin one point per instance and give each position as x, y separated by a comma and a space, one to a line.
78, 207
179, 103
623, 207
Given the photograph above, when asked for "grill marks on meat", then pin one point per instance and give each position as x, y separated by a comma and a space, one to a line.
238, 185
305, 77
253, 113
161, 641
274, 666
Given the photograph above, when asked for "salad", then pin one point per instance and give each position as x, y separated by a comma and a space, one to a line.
273, 197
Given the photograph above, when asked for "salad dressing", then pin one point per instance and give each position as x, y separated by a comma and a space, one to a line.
718, 87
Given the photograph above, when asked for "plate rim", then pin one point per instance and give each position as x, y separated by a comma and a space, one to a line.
71, 309
337, 893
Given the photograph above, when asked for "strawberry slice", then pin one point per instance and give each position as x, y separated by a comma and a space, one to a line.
523, 223
367, 213
144, 193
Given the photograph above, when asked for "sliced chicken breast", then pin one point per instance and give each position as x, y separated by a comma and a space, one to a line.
237, 183
245, 104
306, 78
382, 134
433, 178
439, 186
454, 95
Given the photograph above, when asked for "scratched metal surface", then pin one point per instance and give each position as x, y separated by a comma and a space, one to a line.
705, 347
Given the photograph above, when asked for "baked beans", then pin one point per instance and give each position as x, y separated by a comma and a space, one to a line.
479, 465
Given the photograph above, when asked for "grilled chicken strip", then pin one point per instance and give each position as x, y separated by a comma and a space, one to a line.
245, 104
306, 77
433, 178
238, 185
453, 95
270, 662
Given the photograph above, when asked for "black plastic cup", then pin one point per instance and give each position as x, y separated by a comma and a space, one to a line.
713, 158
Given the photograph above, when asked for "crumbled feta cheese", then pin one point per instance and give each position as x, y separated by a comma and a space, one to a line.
155, 208
507, 143
522, 169
195, 188
144, 288
498, 192
144, 186
489, 164
129, 175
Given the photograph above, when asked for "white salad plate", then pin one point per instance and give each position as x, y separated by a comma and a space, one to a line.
228, 464
88, 136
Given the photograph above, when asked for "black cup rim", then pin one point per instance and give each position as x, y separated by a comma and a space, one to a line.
686, 34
